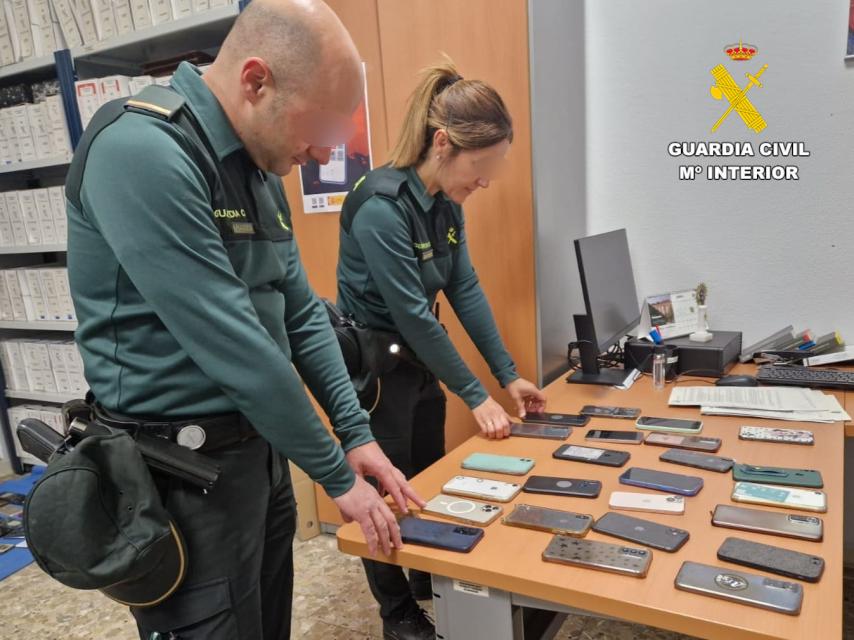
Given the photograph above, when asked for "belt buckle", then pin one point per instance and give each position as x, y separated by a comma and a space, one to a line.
191, 436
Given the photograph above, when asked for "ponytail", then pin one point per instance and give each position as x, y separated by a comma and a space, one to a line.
470, 111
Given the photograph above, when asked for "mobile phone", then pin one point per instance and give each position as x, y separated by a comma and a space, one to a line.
13, 498
441, 535
335, 171
778, 475
692, 443
11, 510
560, 419
669, 424
463, 510
6, 547
787, 525
539, 431
604, 556
765, 557
481, 488
697, 460
607, 457
768, 434
662, 481
566, 523
597, 411
739, 586
650, 502
498, 464
804, 499
572, 487
651, 534
620, 437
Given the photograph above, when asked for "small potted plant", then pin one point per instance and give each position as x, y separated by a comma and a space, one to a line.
702, 333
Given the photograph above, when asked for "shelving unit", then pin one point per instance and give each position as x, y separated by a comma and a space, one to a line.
125, 54
40, 396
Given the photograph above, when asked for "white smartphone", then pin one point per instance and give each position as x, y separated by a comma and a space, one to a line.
776, 496
776, 434
482, 488
335, 171
649, 502
463, 509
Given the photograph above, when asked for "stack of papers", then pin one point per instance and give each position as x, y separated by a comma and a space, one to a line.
776, 403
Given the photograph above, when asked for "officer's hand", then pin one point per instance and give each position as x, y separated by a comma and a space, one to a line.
492, 419
527, 396
363, 504
369, 460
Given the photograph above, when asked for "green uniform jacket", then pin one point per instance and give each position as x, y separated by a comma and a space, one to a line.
192, 302
388, 278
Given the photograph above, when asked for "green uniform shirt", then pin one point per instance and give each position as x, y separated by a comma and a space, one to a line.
388, 283
192, 303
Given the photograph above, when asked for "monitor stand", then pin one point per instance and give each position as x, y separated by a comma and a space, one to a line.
591, 372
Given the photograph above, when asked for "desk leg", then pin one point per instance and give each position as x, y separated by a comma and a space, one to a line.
466, 611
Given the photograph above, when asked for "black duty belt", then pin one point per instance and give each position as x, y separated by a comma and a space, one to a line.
205, 433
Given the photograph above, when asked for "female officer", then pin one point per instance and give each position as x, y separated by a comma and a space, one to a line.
402, 242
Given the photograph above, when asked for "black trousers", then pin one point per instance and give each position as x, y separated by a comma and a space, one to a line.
409, 425
239, 539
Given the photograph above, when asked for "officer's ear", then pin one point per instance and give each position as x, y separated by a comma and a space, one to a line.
442, 145
256, 80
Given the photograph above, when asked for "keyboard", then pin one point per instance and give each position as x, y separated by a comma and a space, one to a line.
806, 377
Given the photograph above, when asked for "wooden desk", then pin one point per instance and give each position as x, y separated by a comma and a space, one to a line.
508, 560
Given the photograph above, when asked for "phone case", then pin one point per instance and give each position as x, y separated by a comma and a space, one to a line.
441, 535
560, 419
620, 413
623, 437
567, 523
498, 464
604, 556
540, 431
804, 499
607, 457
787, 525
697, 460
692, 443
768, 434
481, 488
463, 510
777, 475
663, 481
673, 429
573, 487
651, 534
738, 586
783, 562
649, 502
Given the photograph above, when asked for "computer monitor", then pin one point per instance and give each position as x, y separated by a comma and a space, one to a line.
611, 302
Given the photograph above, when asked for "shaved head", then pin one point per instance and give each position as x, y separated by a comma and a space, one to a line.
297, 38
288, 77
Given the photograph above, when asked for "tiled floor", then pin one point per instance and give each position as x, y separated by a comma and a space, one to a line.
331, 602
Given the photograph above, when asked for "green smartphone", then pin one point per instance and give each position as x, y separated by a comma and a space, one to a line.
498, 464
777, 475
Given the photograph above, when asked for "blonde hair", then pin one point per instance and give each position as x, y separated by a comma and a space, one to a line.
470, 111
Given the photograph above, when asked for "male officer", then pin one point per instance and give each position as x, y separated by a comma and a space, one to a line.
194, 309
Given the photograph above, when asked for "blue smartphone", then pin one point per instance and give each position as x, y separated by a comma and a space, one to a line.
441, 535
662, 481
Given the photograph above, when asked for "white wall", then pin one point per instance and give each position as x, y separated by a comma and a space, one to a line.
559, 171
772, 253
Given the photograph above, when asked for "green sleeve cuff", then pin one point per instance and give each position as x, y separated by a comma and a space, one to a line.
506, 376
357, 438
474, 395
339, 481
